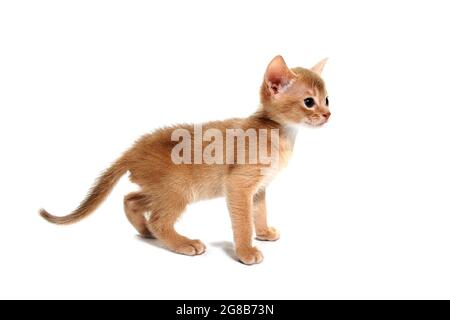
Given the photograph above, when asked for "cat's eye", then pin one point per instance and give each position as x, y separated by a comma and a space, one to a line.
327, 102
309, 102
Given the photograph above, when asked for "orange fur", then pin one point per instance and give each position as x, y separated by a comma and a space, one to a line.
167, 188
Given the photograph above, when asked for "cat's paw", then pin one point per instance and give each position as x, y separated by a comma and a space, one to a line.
249, 255
271, 234
191, 248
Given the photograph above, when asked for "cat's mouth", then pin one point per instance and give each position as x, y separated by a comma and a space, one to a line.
315, 123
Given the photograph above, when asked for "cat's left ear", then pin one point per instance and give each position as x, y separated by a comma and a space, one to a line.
318, 68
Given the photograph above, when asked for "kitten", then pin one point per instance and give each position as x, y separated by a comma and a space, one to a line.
289, 97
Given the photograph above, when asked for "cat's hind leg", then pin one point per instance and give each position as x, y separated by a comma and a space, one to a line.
161, 224
137, 208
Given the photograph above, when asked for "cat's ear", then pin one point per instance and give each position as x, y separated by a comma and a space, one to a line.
278, 75
318, 68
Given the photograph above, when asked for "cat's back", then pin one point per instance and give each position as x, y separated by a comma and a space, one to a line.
151, 159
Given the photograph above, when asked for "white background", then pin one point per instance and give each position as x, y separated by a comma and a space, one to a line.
363, 206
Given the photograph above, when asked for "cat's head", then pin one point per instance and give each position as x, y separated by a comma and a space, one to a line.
295, 96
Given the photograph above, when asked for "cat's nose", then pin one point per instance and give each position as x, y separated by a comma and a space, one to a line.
326, 115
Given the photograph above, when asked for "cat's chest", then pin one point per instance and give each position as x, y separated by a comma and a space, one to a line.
287, 139
285, 148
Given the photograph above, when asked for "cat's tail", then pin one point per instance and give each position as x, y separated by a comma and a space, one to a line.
98, 193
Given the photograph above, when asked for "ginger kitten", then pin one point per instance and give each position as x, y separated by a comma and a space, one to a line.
171, 174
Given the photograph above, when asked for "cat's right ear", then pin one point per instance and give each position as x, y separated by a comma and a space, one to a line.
318, 68
278, 76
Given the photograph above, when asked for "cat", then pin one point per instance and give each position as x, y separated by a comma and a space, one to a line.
289, 97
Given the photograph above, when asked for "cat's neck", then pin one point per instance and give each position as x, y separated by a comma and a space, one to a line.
264, 117
287, 131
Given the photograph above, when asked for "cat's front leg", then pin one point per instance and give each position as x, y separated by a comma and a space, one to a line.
240, 205
263, 231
